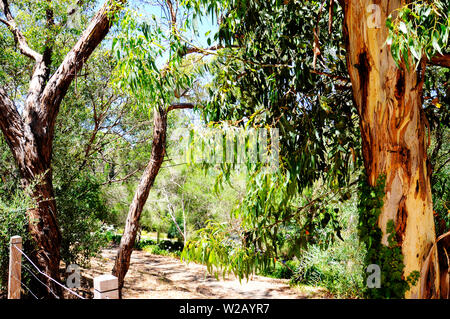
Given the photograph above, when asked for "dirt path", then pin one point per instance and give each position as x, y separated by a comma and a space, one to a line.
153, 277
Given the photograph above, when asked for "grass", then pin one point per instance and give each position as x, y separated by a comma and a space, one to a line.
312, 291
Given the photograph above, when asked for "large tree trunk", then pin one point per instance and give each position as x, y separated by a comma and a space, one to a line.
122, 262
389, 102
42, 221
33, 159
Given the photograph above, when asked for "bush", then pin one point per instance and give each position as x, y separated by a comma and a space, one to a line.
164, 245
80, 210
441, 195
13, 222
171, 246
153, 249
156, 250
144, 242
282, 270
112, 237
173, 230
337, 269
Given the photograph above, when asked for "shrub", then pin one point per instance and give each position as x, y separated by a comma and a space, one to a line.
13, 222
171, 246
282, 270
144, 242
156, 250
164, 245
173, 229
338, 269
112, 237
80, 209
153, 249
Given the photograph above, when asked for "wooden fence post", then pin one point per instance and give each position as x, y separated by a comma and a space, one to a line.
15, 268
106, 287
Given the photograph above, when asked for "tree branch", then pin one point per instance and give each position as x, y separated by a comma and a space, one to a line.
109, 181
441, 60
180, 106
191, 50
18, 36
59, 83
11, 123
332, 76
173, 15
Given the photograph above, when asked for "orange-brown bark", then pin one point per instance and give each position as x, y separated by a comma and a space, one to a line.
392, 123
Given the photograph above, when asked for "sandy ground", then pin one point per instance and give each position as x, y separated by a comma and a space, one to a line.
161, 277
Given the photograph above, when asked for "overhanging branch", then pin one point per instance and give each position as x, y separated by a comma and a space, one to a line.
441, 60
180, 106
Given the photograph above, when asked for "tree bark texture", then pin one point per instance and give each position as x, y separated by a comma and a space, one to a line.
30, 134
392, 123
122, 262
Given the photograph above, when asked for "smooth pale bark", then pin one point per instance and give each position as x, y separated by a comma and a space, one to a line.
122, 262
30, 135
392, 123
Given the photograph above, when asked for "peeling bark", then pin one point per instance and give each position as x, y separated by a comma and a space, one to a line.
389, 102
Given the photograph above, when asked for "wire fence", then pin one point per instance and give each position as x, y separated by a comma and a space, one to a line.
105, 286
28, 289
36, 276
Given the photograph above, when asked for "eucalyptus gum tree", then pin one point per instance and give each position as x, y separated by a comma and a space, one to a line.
393, 130
386, 60
30, 134
137, 47
122, 262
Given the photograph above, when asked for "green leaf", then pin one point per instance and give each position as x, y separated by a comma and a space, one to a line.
415, 49
435, 42
402, 27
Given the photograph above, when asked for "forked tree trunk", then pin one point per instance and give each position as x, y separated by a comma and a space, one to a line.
122, 262
392, 123
30, 134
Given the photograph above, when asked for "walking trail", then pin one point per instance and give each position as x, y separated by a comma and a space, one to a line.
154, 277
